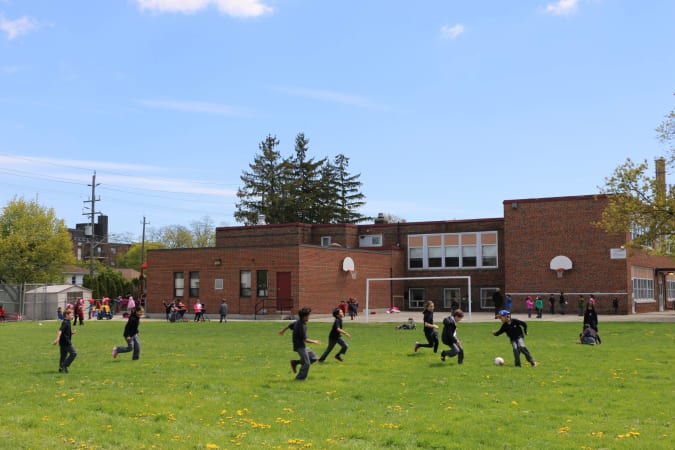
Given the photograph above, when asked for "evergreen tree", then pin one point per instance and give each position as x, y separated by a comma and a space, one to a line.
304, 182
350, 198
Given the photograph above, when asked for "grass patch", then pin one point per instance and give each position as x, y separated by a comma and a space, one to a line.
212, 385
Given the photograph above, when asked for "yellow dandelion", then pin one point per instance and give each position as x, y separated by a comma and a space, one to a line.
210, 445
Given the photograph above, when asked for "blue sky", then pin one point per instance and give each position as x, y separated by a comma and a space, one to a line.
445, 107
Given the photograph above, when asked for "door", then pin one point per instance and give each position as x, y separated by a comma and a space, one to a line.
284, 299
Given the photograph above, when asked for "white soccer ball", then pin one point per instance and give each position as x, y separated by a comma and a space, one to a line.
499, 361
40, 324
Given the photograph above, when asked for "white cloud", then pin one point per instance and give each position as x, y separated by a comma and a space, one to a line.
18, 27
234, 8
563, 7
452, 32
198, 107
332, 96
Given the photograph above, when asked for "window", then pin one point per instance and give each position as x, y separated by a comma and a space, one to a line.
643, 284
194, 284
374, 240
453, 251
415, 252
178, 284
489, 249
325, 241
245, 283
261, 281
451, 299
486, 298
416, 298
469, 250
218, 284
670, 289
434, 255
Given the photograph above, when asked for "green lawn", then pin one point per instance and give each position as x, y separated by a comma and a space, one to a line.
211, 385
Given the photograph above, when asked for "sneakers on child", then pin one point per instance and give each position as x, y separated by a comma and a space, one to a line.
443, 356
114, 352
294, 365
417, 346
338, 357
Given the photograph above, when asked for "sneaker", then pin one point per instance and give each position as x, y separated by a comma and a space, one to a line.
338, 357
534, 364
321, 360
114, 352
65, 369
416, 346
60, 369
294, 365
442, 356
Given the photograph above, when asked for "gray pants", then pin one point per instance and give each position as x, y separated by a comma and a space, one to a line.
132, 344
518, 348
307, 357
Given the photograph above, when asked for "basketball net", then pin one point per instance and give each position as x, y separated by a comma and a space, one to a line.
352, 273
560, 272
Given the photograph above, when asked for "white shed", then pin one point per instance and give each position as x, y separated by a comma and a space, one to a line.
41, 303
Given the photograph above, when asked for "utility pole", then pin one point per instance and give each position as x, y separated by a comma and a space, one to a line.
143, 267
92, 215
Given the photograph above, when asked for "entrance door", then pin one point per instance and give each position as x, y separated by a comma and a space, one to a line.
284, 299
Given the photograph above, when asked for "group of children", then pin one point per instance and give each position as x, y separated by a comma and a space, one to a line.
64, 338
515, 329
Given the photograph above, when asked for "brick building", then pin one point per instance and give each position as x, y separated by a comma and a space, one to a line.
270, 269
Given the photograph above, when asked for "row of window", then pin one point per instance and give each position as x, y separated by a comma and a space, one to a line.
245, 284
454, 250
452, 298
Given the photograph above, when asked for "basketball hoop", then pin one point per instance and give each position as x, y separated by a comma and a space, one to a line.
559, 271
352, 272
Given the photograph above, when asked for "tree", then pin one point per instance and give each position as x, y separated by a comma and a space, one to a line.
34, 244
203, 232
132, 258
304, 182
263, 192
298, 189
640, 204
350, 198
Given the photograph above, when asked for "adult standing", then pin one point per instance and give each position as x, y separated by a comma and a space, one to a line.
561, 303
223, 311
498, 301
591, 316
551, 303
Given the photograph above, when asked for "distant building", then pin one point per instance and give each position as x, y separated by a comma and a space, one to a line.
270, 269
84, 237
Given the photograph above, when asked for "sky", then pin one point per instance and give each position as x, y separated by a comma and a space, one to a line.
446, 108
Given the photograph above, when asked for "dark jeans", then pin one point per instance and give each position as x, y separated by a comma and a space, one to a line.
454, 350
432, 339
332, 342
68, 354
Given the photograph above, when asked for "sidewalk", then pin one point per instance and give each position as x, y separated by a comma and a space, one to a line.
380, 315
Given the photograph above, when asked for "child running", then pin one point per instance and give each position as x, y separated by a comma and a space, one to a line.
516, 330
300, 339
429, 328
64, 339
449, 337
335, 337
131, 335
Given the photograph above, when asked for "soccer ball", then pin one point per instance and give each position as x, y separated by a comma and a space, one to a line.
499, 361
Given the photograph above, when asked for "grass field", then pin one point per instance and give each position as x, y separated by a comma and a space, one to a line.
220, 386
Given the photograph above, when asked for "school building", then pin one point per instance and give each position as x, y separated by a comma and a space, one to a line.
540, 246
